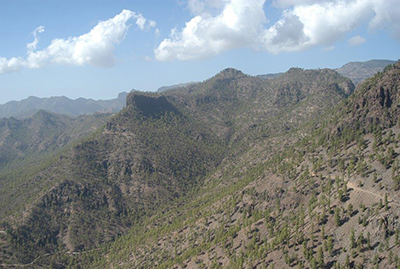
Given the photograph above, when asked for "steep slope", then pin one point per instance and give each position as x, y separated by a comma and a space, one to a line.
165, 152
61, 105
378, 101
327, 200
360, 71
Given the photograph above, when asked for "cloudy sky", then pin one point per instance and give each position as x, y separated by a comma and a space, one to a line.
96, 49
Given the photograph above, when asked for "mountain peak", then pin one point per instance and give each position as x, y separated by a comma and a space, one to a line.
230, 73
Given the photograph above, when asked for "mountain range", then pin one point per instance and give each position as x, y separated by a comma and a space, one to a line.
356, 71
297, 170
61, 105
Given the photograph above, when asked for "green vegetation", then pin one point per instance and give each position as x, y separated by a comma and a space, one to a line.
234, 172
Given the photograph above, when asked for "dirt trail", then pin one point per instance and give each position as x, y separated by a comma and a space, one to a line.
24, 265
353, 186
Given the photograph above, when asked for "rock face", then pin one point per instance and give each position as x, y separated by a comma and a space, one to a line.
377, 101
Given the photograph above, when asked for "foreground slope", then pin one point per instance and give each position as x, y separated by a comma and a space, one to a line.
163, 155
328, 199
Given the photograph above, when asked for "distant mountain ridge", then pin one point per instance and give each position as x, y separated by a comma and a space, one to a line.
356, 71
360, 71
61, 105
270, 76
180, 85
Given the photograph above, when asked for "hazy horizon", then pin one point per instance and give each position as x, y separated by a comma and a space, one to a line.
102, 48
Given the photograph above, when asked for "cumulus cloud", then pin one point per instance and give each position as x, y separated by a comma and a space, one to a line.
221, 25
93, 48
11, 65
237, 25
356, 40
197, 7
289, 3
144, 24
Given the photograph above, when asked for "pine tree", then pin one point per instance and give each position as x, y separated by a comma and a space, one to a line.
352, 239
350, 210
321, 257
330, 244
368, 240
338, 220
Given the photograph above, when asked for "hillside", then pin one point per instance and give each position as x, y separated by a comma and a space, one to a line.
42, 132
324, 196
61, 105
360, 71
163, 151
28, 146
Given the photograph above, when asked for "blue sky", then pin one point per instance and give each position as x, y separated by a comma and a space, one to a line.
94, 49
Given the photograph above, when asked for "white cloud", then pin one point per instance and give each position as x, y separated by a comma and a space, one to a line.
93, 48
387, 14
11, 65
141, 21
323, 24
237, 25
197, 7
152, 24
356, 40
221, 25
328, 48
144, 24
289, 3
33, 45
157, 33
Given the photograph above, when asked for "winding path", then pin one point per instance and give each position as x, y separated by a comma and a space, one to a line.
353, 186
24, 265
